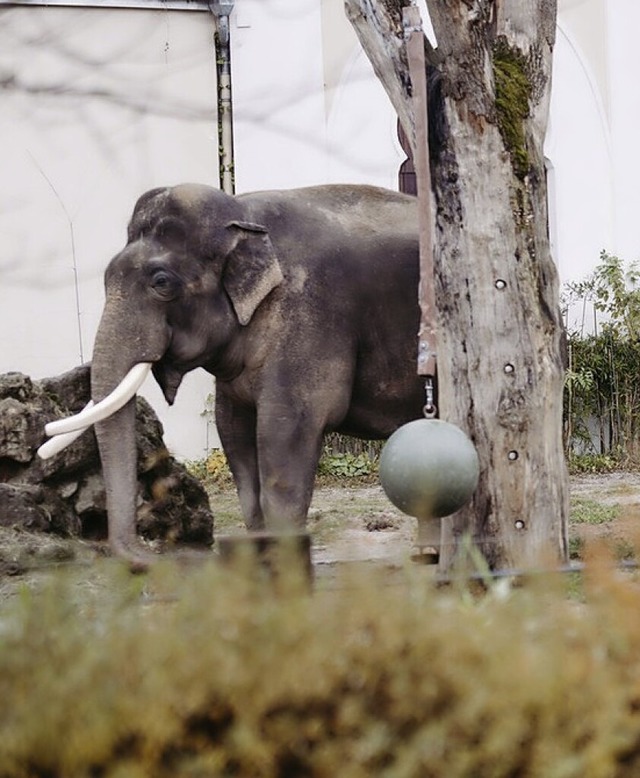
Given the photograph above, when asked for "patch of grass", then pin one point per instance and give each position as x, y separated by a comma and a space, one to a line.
587, 511
324, 526
227, 519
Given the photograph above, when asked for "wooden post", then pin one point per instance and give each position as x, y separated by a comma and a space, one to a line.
500, 365
427, 335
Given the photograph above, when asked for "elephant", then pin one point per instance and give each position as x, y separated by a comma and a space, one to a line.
302, 303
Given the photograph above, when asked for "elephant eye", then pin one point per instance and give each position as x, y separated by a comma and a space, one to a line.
164, 284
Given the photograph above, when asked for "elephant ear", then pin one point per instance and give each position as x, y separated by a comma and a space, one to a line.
252, 269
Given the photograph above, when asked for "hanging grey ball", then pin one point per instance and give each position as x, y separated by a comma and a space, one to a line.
429, 468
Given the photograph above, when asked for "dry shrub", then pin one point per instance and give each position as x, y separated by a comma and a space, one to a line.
215, 673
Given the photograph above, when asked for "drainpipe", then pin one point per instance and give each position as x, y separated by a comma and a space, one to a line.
221, 9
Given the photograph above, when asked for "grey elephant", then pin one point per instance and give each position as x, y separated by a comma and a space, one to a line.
304, 306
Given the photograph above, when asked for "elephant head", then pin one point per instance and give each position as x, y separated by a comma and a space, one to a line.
178, 296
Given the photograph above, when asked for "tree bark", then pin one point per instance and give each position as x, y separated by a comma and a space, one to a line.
500, 335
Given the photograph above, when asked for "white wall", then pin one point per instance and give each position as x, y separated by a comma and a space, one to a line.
624, 23
109, 103
361, 126
578, 146
592, 138
278, 94
362, 142
320, 115
308, 108
138, 111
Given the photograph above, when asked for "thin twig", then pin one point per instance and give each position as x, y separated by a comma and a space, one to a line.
73, 249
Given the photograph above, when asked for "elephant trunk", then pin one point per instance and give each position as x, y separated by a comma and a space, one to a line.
117, 445
113, 357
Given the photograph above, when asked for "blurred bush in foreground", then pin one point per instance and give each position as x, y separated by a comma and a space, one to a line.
214, 672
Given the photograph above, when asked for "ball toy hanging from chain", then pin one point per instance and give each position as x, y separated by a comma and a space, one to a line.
429, 468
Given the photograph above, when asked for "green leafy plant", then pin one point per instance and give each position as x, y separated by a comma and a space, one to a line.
197, 468
217, 467
347, 465
213, 470
602, 393
591, 463
350, 458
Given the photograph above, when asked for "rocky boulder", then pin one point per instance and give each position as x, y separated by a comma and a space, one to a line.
65, 494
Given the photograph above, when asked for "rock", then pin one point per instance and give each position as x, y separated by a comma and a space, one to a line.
21, 507
19, 432
90, 495
172, 507
65, 495
36, 508
73, 387
16, 385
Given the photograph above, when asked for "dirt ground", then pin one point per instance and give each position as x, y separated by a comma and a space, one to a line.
619, 526
347, 523
359, 523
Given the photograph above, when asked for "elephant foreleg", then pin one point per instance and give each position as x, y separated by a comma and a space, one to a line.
289, 449
237, 429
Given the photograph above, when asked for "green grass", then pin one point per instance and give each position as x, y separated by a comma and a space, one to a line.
587, 511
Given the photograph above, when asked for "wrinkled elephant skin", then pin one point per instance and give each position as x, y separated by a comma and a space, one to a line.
302, 304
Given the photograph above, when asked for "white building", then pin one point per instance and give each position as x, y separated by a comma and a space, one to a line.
100, 101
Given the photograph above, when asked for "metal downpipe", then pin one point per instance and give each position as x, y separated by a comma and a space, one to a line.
221, 9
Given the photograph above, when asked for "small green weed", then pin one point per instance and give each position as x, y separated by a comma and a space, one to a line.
197, 468
212, 470
576, 547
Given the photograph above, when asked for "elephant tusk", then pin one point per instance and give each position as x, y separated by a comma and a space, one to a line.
119, 397
60, 442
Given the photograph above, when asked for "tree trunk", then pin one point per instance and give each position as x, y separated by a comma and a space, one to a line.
499, 357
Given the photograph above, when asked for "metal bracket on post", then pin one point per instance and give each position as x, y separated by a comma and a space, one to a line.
430, 409
427, 336
222, 10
